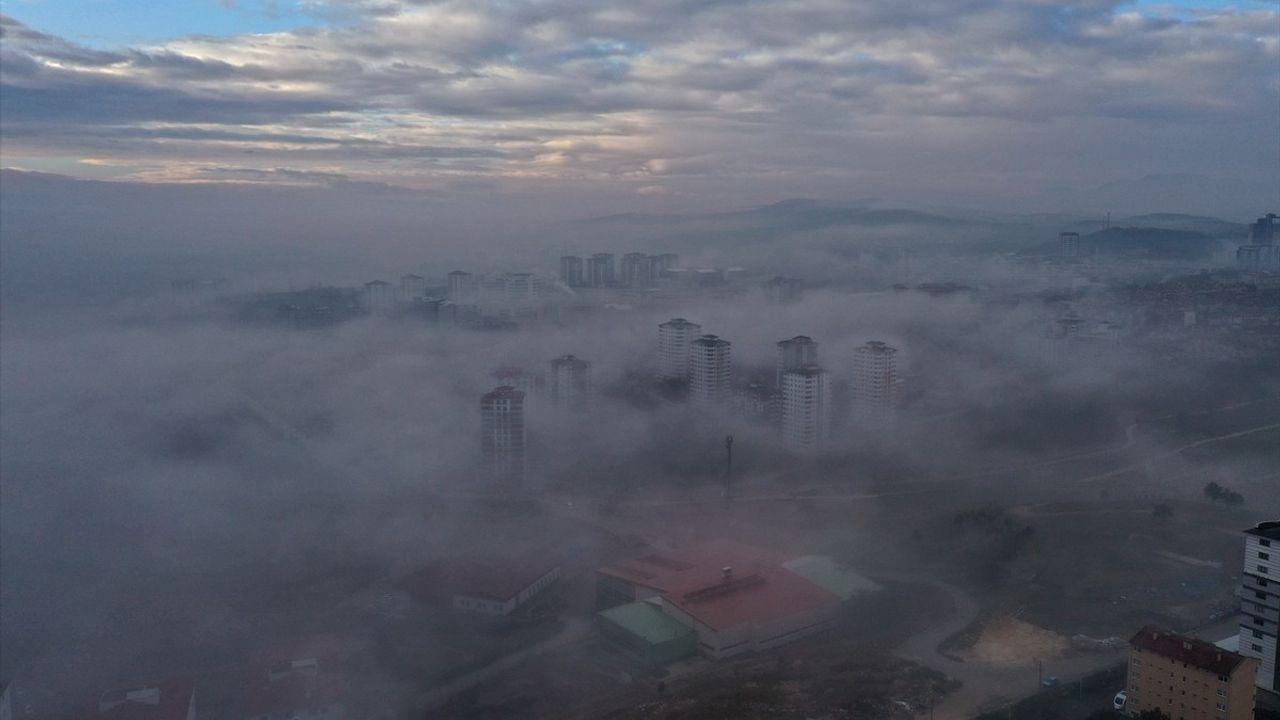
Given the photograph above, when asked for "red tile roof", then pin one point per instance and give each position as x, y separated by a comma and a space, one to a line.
764, 595
1191, 651
166, 700
757, 589
662, 572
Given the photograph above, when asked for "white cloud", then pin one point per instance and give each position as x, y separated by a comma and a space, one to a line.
616, 91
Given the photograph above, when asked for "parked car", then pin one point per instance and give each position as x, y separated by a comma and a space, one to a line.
1119, 701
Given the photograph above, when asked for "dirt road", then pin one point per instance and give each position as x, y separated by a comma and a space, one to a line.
986, 686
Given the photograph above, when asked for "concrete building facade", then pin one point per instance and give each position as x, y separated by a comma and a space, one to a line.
1069, 244
462, 287
502, 434
806, 408
675, 342
710, 372
637, 270
379, 297
1260, 601
1187, 679
600, 271
571, 271
875, 383
571, 387
795, 353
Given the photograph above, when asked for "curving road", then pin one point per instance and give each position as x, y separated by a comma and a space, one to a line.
985, 686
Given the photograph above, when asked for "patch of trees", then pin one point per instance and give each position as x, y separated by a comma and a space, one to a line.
995, 537
1216, 493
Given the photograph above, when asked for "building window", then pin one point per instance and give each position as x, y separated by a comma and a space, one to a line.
1257, 634
1222, 706
1264, 542
1260, 595
1262, 569
1256, 647
1222, 692
1264, 556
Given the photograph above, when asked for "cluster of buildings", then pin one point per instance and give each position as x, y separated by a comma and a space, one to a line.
1192, 679
800, 399
799, 402
640, 271
719, 600
602, 270
502, 411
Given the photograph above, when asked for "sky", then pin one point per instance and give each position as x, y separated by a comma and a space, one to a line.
648, 104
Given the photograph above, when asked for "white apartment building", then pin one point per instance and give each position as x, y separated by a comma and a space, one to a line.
571, 383
796, 353
806, 407
502, 434
1260, 600
675, 340
710, 372
875, 383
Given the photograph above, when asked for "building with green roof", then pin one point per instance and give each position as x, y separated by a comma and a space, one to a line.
831, 576
644, 631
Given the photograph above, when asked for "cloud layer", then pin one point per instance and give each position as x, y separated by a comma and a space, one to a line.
659, 97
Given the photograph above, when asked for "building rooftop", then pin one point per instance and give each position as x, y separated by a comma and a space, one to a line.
679, 322
877, 346
165, 700
506, 392
647, 621
755, 596
1269, 530
831, 576
569, 360
723, 584
663, 572
1197, 653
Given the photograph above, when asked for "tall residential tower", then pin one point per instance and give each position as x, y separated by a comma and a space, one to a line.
796, 353
675, 341
710, 372
875, 383
502, 434
806, 407
571, 383
1260, 600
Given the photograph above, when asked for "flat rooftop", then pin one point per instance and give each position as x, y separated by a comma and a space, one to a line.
723, 584
1269, 530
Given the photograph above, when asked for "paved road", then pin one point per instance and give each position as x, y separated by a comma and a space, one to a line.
574, 629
